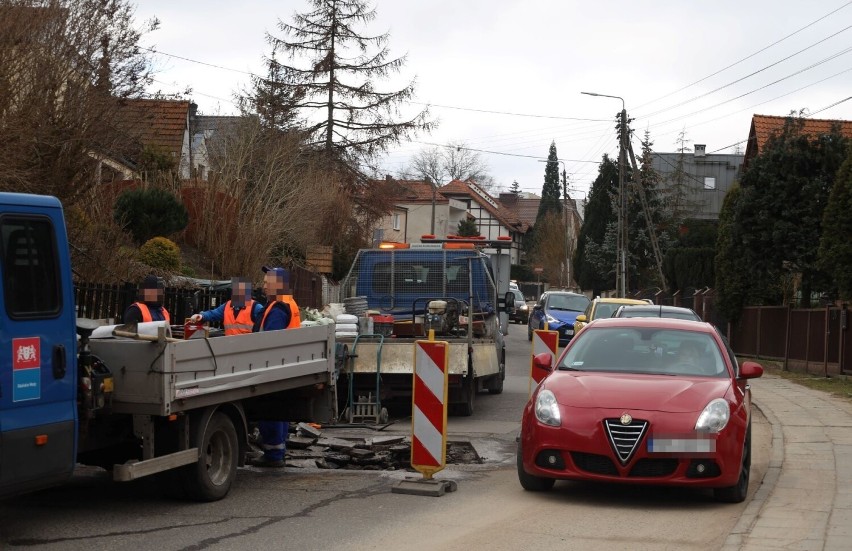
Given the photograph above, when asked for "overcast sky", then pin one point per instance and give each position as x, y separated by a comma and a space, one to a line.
699, 67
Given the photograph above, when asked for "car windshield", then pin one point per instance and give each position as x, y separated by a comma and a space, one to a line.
605, 309
574, 303
645, 350
519, 296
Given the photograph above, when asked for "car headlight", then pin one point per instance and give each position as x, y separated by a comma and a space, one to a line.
524, 308
547, 409
715, 416
551, 320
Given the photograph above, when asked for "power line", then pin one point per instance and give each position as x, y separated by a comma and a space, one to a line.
747, 57
457, 108
508, 113
747, 76
538, 157
808, 68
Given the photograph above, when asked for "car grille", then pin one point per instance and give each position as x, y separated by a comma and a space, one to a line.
654, 467
594, 463
625, 438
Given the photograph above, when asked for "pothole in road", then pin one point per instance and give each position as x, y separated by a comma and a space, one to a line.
378, 453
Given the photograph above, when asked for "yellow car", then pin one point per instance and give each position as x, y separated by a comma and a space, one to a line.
602, 308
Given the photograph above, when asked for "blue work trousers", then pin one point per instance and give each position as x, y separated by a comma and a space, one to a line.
273, 437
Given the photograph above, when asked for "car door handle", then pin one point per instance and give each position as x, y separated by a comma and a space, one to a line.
59, 361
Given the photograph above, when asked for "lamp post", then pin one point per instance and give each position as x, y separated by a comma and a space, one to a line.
621, 238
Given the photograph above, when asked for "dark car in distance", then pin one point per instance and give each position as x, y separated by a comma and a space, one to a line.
521, 311
557, 311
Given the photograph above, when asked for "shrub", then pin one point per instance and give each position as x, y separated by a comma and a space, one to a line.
147, 213
160, 253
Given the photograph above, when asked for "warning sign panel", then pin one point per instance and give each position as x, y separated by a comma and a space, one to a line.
26, 369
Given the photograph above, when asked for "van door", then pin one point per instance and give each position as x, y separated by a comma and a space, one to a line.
37, 346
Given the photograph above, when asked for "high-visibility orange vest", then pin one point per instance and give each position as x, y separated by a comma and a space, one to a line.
241, 323
295, 318
146, 312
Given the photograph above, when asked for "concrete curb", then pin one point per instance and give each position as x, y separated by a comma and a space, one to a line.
749, 516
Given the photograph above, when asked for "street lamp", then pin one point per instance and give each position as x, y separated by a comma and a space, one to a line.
621, 239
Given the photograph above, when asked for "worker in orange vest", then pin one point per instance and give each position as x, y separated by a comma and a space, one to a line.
281, 312
239, 314
149, 307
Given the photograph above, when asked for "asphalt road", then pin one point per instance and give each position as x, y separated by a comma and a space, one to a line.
315, 509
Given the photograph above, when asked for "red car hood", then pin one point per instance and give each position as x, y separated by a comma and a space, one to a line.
673, 394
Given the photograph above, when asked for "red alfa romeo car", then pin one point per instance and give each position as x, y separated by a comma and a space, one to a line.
642, 401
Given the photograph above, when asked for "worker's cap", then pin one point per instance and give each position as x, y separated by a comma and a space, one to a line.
281, 273
152, 282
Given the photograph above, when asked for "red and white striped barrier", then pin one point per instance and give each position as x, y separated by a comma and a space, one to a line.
542, 341
429, 407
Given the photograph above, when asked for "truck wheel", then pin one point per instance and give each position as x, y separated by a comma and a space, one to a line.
495, 385
211, 477
465, 409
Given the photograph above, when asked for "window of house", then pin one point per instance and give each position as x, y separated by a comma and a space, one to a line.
396, 222
709, 183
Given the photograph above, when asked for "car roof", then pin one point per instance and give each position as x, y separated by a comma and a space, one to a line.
616, 300
661, 323
571, 293
659, 308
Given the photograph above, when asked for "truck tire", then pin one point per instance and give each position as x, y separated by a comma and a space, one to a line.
211, 477
495, 385
465, 409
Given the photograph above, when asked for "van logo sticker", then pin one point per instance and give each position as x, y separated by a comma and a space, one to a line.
26, 369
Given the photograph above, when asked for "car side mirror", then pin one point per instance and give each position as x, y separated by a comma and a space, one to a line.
750, 370
542, 366
537, 307
510, 301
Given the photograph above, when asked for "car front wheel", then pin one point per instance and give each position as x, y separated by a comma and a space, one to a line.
530, 482
738, 492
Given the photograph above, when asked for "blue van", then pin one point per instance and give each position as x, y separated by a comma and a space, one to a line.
38, 395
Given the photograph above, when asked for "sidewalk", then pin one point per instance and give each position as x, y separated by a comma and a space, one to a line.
805, 500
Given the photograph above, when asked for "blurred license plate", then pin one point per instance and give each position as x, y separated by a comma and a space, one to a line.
681, 445
569, 332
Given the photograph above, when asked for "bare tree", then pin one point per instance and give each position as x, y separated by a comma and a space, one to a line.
427, 164
462, 163
265, 194
64, 65
455, 161
341, 76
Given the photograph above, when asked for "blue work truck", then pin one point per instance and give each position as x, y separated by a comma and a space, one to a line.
456, 287
134, 406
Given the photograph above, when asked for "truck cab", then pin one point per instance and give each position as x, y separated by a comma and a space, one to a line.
38, 394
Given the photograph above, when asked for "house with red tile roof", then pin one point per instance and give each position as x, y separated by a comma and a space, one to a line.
764, 126
492, 217
156, 126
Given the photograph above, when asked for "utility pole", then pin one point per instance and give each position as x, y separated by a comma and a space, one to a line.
652, 232
621, 237
622, 210
434, 193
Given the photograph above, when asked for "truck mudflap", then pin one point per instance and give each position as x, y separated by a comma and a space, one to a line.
137, 469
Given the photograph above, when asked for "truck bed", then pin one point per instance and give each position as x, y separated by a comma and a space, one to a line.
161, 378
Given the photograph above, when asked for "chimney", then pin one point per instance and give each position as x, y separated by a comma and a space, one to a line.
509, 199
700, 148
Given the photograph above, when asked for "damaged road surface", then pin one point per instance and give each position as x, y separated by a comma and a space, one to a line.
309, 447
